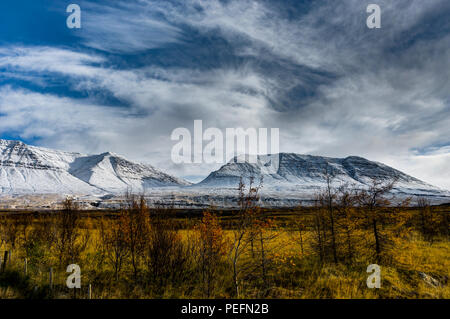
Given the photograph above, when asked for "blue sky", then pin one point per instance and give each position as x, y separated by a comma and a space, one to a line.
136, 70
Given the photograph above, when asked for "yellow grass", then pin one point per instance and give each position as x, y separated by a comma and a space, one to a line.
293, 274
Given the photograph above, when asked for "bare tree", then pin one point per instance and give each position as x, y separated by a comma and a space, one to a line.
136, 228
373, 202
69, 240
329, 198
265, 234
115, 243
242, 231
300, 228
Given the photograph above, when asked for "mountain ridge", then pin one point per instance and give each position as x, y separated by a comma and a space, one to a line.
31, 169
28, 169
291, 169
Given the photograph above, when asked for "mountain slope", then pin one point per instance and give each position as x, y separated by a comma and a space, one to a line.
287, 170
287, 178
114, 173
29, 169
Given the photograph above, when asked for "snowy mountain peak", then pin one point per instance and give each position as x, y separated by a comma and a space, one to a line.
290, 171
287, 177
30, 169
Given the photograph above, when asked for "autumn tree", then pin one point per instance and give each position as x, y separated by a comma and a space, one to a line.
69, 239
328, 197
37, 239
319, 239
136, 229
301, 226
429, 219
11, 231
265, 235
211, 248
373, 205
347, 221
167, 256
115, 245
325, 229
242, 231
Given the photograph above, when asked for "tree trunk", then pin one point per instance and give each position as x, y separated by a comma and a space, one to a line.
377, 240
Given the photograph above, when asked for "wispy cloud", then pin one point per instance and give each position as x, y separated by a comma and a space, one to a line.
333, 86
125, 27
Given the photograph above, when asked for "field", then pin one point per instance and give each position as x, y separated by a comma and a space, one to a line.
141, 252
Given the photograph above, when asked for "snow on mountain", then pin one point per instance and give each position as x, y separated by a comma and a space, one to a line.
29, 169
289, 172
113, 173
288, 179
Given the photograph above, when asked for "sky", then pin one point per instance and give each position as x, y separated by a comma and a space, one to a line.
136, 70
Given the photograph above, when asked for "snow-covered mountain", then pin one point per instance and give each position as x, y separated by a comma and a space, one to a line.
284, 172
30, 176
28, 169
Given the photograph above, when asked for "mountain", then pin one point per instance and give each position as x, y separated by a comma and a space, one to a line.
28, 169
38, 177
286, 171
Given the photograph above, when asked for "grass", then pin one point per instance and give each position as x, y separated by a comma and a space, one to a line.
291, 273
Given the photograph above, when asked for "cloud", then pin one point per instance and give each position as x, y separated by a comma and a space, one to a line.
53, 118
157, 102
48, 59
331, 85
124, 27
331, 34
148, 88
433, 168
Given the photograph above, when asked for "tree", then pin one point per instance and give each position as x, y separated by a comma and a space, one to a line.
300, 227
11, 230
114, 239
265, 235
348, 221
319, 242
69, 240
37, 239
373, 204
329, 197
325, 229
429, 220
242, 231
136, 229
211, 247
166, 255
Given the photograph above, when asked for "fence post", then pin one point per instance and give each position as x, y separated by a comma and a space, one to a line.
90, 291
25, 266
